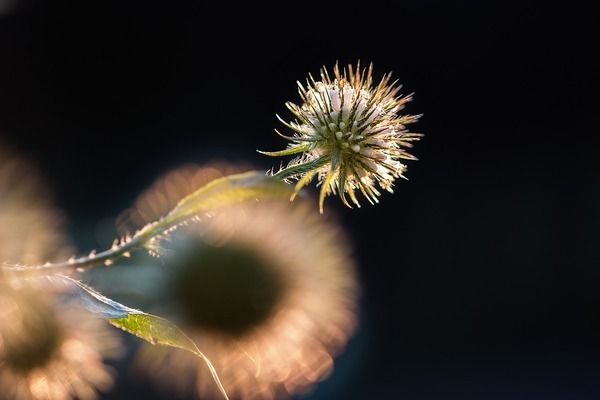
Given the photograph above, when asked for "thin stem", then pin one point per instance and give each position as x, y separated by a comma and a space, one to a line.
106, 256
87, 261
245, 184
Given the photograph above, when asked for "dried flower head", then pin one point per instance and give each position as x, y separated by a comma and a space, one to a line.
268, 293
51, 352
349, 133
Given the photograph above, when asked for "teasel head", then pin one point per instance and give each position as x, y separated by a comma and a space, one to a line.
349, 134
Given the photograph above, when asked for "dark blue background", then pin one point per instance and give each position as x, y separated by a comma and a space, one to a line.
480, 274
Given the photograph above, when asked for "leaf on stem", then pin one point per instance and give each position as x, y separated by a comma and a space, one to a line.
224, 192
153, 329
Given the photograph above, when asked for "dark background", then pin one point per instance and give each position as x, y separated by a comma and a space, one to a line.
480, 274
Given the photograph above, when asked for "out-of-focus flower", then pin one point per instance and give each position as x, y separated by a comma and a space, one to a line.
349, 133
268, 293
50, 352
31, 230
47, 351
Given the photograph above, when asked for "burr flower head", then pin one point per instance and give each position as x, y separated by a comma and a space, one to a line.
349, 133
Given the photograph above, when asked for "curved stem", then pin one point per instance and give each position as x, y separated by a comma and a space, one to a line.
106, 257
226, 190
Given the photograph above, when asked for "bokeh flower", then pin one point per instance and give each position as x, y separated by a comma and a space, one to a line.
50, 350
31, 229
267, 290
349, 133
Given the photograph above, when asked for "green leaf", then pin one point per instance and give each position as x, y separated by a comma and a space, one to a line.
89, 298
287, 152
224, 192
159, 331
153, 329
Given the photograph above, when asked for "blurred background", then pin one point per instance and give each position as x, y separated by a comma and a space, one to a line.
480, 275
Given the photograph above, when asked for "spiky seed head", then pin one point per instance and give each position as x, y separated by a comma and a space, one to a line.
348, 132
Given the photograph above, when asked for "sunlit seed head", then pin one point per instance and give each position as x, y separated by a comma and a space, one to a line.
268, 294
350, 133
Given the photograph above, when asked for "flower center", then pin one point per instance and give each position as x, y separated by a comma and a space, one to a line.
343, 136
230, 289
341, 109
33, 342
